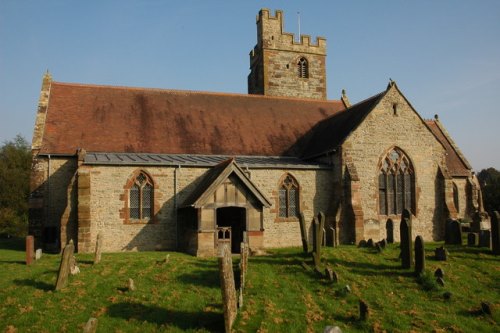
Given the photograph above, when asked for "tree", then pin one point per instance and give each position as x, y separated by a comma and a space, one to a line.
15, 164
490, 185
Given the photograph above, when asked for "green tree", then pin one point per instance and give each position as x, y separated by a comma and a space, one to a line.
490, 185
15, 164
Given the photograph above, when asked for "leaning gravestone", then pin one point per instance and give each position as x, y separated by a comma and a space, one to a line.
495, 232
419, 255
227, 287
30, 249
64, 267
318, 228
303, 232
98, 249
406, 246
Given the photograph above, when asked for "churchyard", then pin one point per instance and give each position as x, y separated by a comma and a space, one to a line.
174, 292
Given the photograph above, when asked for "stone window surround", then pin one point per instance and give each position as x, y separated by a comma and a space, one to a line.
414, 195
125, 212
278, 218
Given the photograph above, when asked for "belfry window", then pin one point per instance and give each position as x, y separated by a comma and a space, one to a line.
289, 197
396, 183
141, 199
303, 68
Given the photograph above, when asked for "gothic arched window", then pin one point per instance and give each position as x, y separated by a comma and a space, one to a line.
289, 197
141, 199
396, 183
303, 68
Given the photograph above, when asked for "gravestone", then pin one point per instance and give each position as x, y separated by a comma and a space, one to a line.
98, 248
73, 267
90, 326
419, 255
440, 281
331, 237
476, 222
227, 287
332, 329
472, 239
369, 243
362, 243
454, 232
389, 228
30, 249
406, 243
331, 275
318, 227
495, 233
364, 312
64, 267
243, 270
383, 243
485, 238
439, 272
303, 232
441, 254
131, 285
38, 254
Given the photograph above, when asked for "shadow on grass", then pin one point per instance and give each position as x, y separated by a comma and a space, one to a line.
13, 243
206, 278
210, 321
20, 262
36, 284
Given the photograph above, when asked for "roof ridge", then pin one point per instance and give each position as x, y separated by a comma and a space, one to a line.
200, 92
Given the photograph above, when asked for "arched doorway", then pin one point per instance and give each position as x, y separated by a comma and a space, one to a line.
235, 218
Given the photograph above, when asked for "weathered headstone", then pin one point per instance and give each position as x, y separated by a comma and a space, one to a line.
331, 237
331, 275
303, 232
454, 230
30, 249
228, 288
441, 254
364, 312
38, 254
73, 267
369, 243
64, 267
485, 238
476, 222
389, 228
472, 239
495, 233
243, 270
318, 227
419, 255
362, 243
131, 285
90, 326
439, 272
440, 281
332, 329
98, 248
406, 243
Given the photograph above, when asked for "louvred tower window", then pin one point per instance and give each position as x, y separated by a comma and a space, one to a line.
303, 68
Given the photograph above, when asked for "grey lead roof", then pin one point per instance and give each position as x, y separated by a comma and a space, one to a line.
199, 160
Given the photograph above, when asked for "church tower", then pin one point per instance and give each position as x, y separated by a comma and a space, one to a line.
281, 66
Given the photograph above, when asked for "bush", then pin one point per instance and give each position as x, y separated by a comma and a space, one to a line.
427, 281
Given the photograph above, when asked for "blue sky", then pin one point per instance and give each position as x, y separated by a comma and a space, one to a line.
444, 55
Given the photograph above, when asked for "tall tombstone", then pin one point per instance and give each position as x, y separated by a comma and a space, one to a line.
227, 287
64, 267
389, 228
30, 249
495, 232
303, 232
406, 243
318, 228
98, 248
456, 233
419, 255
472, 239
485, 238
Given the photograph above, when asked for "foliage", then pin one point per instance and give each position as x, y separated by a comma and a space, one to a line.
490, 185
183, 293
427, 281
15, 162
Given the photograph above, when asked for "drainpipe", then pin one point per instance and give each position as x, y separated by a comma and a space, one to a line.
47, 213
176, 171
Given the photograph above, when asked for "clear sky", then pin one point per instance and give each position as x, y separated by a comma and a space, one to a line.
444, 55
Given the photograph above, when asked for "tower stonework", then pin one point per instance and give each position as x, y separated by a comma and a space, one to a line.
281, 66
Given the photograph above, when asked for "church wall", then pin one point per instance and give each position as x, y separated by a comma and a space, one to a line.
381, 130
461, 184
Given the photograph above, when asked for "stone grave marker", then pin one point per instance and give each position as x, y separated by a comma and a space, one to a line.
318, 228
303, 232
406, 243
486, 308
485, 238
362, 243
472, 239
440, 281
364, 311
73, 267
369, 243
90, 326
495, 233
419, 255
332, 329
131, 285
30, 249
38, 254
439, 272
228, 288
455, 233
98, 248
64, 267
331, 275
441, 254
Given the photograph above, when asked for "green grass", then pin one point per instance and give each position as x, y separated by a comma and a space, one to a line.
281, 296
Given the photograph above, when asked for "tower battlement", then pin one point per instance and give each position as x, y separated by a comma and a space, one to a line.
281, 65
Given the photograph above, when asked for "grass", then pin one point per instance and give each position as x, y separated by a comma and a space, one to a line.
183, 294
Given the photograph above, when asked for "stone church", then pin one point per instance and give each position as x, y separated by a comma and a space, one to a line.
157, 169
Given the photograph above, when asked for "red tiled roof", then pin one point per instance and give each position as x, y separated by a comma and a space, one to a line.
456, 163
121, 119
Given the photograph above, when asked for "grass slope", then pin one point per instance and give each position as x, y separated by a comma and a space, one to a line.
183, 294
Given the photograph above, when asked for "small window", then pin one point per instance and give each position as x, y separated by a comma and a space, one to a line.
455, 197
141, 199
303, 68
289, 198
